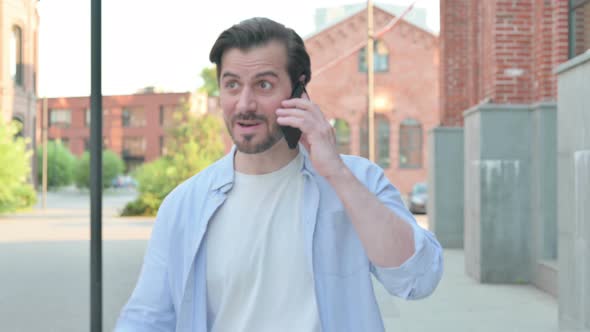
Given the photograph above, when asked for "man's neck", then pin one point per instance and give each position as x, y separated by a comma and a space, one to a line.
265, 162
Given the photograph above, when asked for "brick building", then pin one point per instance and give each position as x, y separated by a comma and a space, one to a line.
19, 21
406, 91
134, 126
493, 173
500, 52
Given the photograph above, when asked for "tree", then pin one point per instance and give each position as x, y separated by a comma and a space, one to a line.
15, 170
194, 142
112, 165
60, 165
209, 77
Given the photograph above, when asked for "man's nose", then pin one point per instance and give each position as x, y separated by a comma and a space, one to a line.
247, 101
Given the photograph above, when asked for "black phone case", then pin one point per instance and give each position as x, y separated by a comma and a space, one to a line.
292, 135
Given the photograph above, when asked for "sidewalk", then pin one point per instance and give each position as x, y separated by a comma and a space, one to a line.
461, 304
44, 257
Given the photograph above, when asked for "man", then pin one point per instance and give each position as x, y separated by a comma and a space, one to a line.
271, 238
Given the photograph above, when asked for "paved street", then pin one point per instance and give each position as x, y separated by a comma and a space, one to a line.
44, 260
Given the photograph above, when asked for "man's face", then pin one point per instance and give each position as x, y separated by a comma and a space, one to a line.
253, 84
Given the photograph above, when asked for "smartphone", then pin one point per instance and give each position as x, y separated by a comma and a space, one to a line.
292, 135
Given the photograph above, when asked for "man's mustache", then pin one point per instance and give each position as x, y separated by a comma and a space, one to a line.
248, 117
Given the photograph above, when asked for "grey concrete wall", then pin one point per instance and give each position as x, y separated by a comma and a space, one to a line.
544, 196
573, 166
445, 185
497, 193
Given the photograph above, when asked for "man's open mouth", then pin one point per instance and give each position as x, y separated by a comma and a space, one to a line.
247, 124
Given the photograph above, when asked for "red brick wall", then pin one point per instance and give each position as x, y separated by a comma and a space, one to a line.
511, 48
454, 47
113, 130
410, 86
542, 40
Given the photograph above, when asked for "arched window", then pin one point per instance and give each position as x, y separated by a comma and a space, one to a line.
382, 137
380, 57
342, 130
410, 144
21, 126
16, 56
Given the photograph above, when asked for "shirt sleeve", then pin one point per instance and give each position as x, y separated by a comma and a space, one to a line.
150, 307
420, 274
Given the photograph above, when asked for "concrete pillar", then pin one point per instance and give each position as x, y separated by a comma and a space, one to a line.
573, 146
544, 196
445, 185
498, 239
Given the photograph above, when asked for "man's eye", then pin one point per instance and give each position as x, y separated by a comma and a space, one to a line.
231, 85
265, 85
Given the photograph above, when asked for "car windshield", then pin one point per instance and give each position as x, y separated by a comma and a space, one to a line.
420, 188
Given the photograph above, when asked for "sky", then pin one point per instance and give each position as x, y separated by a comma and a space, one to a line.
155, 42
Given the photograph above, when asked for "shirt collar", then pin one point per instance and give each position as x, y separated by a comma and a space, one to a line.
225, 176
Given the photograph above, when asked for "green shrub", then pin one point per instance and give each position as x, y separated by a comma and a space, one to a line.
112, 165
194, 143
60, 165
15, 170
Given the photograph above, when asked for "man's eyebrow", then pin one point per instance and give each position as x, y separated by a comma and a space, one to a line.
229, 74
259, 75
267, 73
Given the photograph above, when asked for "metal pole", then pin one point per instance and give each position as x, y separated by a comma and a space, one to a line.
370, 80
96, 171
44, 138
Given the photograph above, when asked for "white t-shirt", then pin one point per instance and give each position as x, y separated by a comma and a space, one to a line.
258, 278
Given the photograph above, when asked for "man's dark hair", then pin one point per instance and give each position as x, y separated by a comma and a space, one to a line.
259, 31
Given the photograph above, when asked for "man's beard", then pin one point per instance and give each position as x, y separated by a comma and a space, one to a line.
244, 142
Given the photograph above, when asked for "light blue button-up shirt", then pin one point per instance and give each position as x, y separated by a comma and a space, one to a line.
171, 293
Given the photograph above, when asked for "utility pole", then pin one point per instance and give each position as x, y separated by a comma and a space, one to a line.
44, 121
370, 80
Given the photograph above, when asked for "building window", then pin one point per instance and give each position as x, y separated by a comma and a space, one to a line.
410, 144
342, 131
105, 142
382, 138
134, 147
88, 116
16, 56
65, 142
380, 58
163, 150
166, 115
133, 117
60, 118
21, 126
579, 27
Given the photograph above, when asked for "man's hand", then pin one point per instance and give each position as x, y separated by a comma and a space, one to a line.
388, 239
317, 134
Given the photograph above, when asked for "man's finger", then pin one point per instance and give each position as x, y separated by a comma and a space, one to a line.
300, 103
291, 121
291, 112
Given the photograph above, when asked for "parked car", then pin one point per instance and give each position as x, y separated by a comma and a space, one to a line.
418, 198
124, 181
